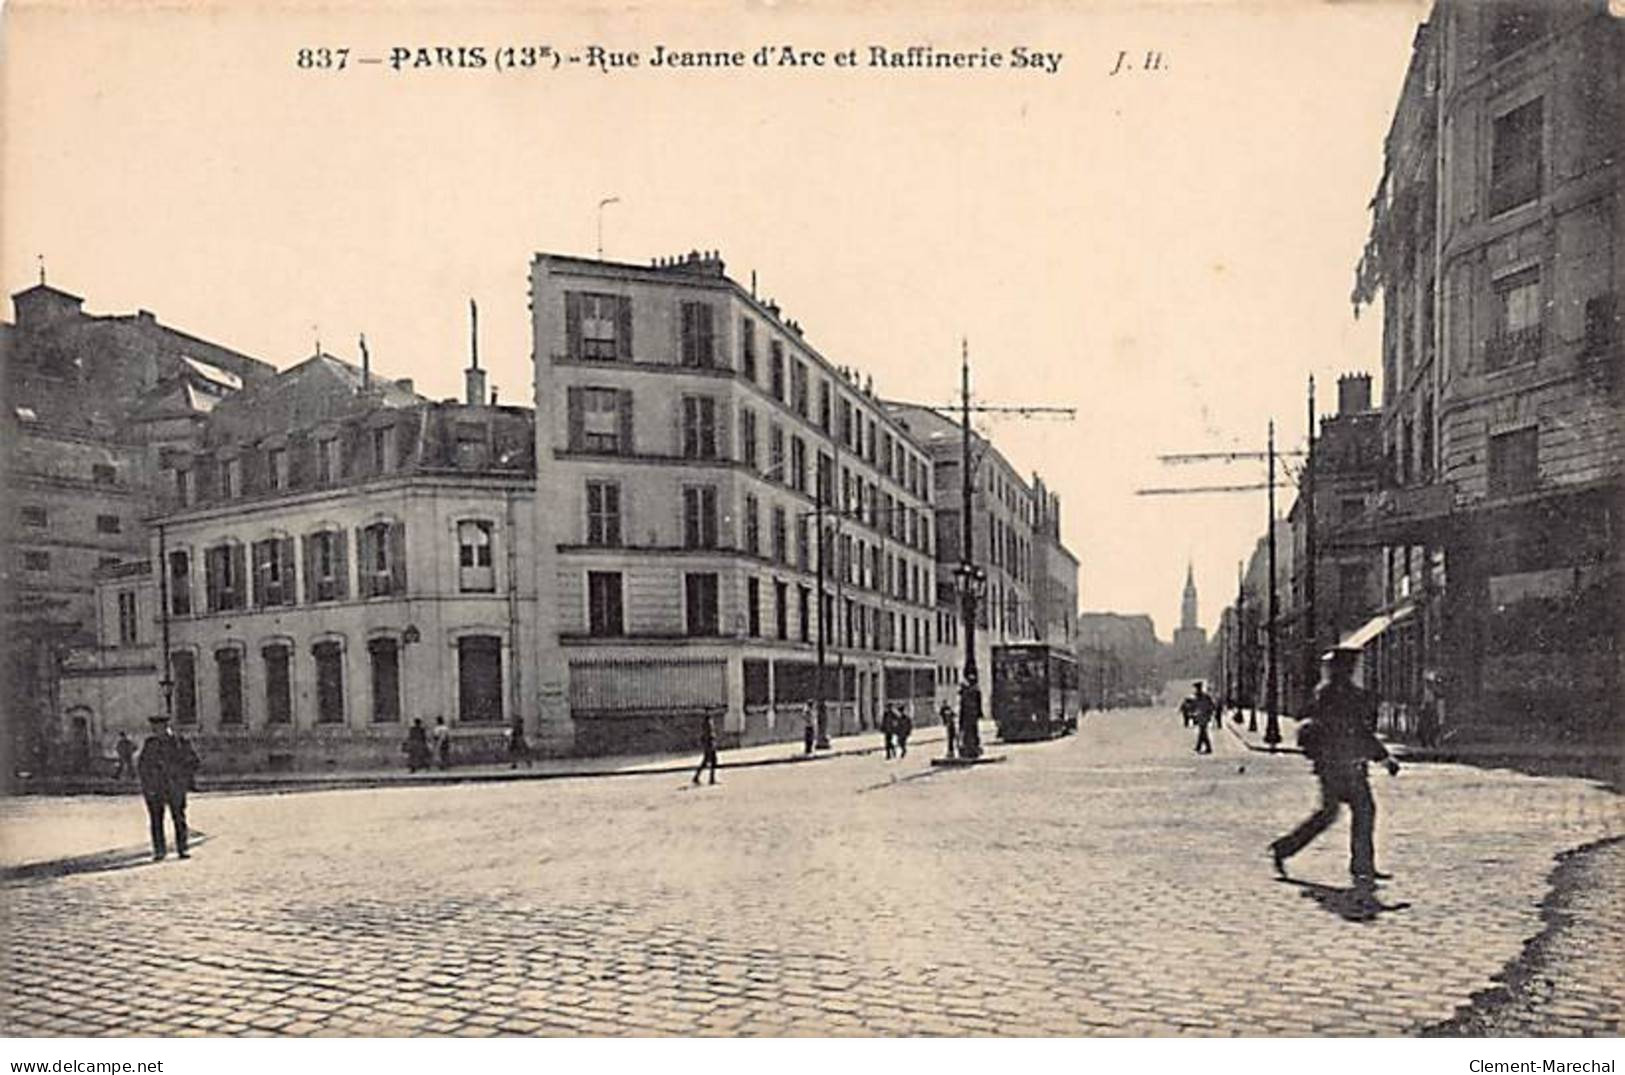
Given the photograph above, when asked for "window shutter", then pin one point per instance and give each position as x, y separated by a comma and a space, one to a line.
211, 578
261, 554
341, 563
238, 556
623, 328
284, 553
572, 323
725, 430
623, 411
576, 418
707, 341
687, 343
310, 569
397, 558
364, 555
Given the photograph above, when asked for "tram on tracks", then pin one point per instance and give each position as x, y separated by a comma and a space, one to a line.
1035, 691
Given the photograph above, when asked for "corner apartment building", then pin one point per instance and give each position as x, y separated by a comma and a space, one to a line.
1031, 577
719, 501
91, 400
338, 557
1496, 246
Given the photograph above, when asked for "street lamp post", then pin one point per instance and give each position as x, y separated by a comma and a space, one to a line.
168, 682
972, 580
602, 202
1272, 724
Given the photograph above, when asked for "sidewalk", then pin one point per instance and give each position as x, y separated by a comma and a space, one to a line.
68, 833
1535, 759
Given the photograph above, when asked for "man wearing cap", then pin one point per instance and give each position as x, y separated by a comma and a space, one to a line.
1198, 709
1340, 739
166, 767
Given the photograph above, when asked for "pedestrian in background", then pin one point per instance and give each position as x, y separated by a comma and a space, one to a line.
417, 746
902, 727
125, 749
888, 731
1339, 739
950, 724
518, 749
166, 768
1201, 709
809, 732
708, 748
442, 742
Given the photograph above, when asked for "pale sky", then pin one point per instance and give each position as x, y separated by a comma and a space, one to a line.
1170, 252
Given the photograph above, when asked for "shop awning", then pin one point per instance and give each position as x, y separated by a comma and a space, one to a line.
1376, 625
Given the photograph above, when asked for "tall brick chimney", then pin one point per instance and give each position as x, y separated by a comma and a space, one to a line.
473, 377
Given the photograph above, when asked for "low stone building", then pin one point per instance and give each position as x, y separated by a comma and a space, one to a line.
339, 558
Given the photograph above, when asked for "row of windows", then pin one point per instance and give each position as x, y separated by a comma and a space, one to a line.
479, 681
600, 421
863, 626
598, 327
35, 561
263, 575
36, 517
330, 460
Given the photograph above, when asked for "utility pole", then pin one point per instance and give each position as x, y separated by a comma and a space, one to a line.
1272, 724
168, 682
1310, 623
1272, 729
970, 691
820, 475
971, 578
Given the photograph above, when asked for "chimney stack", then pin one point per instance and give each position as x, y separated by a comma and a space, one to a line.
366, 365
473, 377
1354, 393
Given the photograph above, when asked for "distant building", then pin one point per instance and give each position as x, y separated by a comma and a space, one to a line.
338, 556
92, 402
1496, 246
691, 443
1347, 466
1119, 659
1031, 578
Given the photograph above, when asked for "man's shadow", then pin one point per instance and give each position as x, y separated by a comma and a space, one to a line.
1352, 903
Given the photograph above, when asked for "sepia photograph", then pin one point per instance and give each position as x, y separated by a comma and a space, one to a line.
1096, 522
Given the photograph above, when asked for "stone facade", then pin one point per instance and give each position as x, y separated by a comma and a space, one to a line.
1496, 247
327, 579
92, 402
692, 442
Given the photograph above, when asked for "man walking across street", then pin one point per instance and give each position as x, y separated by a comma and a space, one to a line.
1199, 709
166, 768
708, 748
888, 729
950, 726
1340, 739
902, 727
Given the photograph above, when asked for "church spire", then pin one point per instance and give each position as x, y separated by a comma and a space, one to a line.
1187, 612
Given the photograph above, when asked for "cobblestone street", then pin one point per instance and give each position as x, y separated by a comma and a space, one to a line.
1111, 883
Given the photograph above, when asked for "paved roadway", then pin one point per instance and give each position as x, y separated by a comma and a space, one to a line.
1111, 883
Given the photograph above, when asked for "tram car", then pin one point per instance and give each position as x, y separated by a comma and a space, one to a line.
1035, 691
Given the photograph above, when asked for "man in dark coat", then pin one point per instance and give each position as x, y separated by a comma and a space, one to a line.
902, 727
166, 767
950, 726
1201, 710
1340, 739
708, 748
